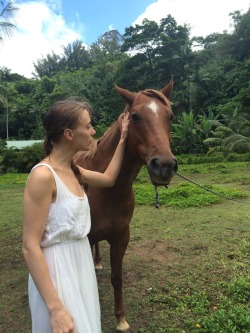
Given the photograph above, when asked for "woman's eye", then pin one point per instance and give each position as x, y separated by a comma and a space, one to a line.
135, 117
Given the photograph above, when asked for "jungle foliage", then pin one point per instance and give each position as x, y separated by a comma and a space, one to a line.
211, 98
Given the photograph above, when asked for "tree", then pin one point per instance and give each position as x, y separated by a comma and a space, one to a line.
153, 47
184, 134
190, 131
174, 42
236, 45
5, 94
234, 134
7, 12
107, 48
226, 140
75, 56
48, 66
142, 40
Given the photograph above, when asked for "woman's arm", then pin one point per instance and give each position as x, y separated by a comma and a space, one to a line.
36, 202
108, 178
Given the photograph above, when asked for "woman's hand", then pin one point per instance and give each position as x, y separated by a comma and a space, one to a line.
61, 321
108, 178
125, 124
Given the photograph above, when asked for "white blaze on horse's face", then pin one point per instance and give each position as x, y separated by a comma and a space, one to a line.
153, 107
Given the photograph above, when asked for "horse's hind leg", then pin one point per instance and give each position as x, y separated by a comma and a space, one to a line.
117, 251
97, 259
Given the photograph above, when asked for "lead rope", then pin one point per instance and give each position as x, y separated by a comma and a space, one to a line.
157, 200
157, 205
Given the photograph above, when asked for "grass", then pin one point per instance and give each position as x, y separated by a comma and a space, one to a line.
186, 269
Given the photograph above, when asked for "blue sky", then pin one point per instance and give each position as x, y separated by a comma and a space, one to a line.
45, 25
99, 16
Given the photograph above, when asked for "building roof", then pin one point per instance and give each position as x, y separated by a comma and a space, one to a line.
21, 144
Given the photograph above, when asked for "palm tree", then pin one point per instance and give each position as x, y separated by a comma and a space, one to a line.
5, 74
184, 133
234, 136
7, 11
227, 141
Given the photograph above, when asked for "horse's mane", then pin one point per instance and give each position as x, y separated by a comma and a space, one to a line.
108, 131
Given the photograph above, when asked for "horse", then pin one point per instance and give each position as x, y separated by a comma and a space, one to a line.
112, 208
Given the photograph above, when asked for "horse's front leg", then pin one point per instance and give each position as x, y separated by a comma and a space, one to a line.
117, 251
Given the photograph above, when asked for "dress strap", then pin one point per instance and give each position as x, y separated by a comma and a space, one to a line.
58, 182
56, 177
44, 164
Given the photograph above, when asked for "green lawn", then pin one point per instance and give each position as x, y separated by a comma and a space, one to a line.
187, 265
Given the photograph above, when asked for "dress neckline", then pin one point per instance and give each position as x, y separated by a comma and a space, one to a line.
66, 187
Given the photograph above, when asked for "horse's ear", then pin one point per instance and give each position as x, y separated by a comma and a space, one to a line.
167, 90
126, 95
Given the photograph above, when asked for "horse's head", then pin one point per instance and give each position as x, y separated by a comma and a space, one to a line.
149, 131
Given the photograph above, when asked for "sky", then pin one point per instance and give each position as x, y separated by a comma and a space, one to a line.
44, 26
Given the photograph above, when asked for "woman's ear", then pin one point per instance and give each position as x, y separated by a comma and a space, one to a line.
68, 134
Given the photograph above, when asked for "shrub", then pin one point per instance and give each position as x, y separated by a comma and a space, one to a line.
9, 158
30, 156
234, 157
213, 158
200, 159
21, 160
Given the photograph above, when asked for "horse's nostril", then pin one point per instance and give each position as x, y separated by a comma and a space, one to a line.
155, 165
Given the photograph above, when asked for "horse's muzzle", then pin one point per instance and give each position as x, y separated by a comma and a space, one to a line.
161, 170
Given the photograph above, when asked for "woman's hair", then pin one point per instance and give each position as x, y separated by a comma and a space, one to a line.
62, 115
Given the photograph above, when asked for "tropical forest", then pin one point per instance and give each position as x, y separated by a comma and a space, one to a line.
210, 101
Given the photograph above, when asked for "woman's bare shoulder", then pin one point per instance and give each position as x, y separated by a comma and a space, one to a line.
41, 177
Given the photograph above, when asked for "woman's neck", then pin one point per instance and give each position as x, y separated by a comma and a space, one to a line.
61, 159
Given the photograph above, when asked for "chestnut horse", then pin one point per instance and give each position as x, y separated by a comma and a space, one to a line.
112, 208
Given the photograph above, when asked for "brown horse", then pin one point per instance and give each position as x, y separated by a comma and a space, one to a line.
112, 208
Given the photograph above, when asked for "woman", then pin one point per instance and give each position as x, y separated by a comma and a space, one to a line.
63, 293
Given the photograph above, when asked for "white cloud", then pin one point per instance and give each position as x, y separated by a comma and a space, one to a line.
204, 17
41, 30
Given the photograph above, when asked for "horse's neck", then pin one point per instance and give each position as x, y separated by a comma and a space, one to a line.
105, 151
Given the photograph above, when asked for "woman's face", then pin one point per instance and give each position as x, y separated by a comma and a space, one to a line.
84, 132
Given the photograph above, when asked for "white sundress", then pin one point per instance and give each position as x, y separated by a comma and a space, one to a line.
68, 254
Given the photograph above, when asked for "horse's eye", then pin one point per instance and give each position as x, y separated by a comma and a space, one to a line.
135, 117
